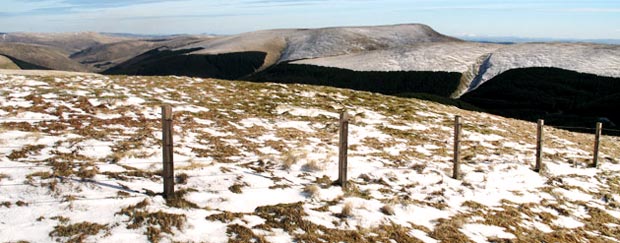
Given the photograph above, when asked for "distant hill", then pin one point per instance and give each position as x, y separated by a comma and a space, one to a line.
33, 56
512, 40
406, 59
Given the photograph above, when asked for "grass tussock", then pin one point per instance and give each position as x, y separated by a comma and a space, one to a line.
387, 210
347, 210
447, 230
290, 218
289, 158
311, 191
241, 234
225, 216
26, 151
178, 199
181, 178
76, 233
313, 166
236, 188
157, 223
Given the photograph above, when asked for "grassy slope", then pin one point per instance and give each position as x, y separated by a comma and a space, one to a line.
246, 147
35, 57
6, 63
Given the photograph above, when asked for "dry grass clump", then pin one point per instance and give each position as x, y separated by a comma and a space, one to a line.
313, 165
21, 203
4, 176
241, 234
236, 188
26, 151
447, 230
352, 190
41, 174
323, 182
387, 210
178, 199
87, 171
6, 204
290, 218
157, 223
312, 191
289, 158
75, 233
225, 216
181, 178
132, 172
419, 167
347, 210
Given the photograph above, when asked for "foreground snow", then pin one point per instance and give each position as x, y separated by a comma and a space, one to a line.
255, 163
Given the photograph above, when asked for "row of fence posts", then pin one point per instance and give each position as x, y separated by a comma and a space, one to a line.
168, 167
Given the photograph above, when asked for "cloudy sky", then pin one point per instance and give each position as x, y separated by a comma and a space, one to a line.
579, 19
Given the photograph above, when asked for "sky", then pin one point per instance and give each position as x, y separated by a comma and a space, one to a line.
566, 19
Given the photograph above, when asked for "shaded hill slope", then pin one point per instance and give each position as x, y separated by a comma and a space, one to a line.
167, 62
561, 97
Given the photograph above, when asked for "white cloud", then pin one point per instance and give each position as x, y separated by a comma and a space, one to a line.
592, 10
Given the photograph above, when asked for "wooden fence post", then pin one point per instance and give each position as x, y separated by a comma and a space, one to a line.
597, 143
167, 145
457, 147
342, 146
539, 145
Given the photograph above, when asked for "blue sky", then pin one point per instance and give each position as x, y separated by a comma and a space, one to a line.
578, 19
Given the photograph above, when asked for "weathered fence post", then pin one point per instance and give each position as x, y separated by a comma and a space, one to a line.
597, 143
342, 146
457, 147
539, 145
167, 145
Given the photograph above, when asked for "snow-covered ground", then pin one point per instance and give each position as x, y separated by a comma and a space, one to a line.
80, 160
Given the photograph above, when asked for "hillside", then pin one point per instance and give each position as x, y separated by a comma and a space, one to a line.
561, 97
29, 56
67, 42
80, 158
407, 60
7, 63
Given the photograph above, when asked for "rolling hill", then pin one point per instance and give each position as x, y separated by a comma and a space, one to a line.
409, 60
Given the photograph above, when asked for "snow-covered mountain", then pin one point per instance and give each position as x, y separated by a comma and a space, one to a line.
480, 62
391, 48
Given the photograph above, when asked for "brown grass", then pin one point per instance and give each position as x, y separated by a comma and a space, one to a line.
347, 210
241, 234
28, 150
236, 188
178, 199
225, 216
312, 191
387, 210
76, 233
157, 223
313, 166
